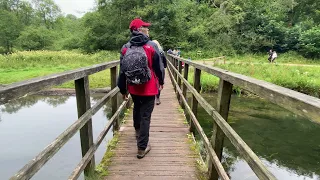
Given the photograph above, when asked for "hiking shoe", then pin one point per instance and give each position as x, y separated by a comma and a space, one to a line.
142, 153
158, 101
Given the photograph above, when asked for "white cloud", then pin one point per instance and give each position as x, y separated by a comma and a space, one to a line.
75, 7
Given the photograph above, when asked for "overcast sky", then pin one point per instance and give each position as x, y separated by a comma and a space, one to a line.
75, 7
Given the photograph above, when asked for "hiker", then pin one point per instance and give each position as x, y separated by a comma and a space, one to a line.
174, 52
140, 73
164, 64
270, 55
179, 53
170, 51
274, 56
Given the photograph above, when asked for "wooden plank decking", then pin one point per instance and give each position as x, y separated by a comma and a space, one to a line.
170, 156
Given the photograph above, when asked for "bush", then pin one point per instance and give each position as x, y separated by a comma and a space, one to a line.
310, 42
36, 38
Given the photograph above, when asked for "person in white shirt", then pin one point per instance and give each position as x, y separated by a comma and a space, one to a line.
274, 56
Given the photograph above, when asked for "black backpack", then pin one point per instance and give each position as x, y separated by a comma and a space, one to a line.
135, 65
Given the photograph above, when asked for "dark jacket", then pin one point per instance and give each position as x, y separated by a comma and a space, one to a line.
164, 59
150, 88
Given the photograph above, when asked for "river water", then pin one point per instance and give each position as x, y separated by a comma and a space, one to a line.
288, 144
28, 125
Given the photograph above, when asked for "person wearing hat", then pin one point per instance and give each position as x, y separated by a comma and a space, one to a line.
143, 95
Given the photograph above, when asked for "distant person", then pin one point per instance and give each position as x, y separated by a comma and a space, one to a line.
164, 63
274, 56
170, 51
270, 55
141, 73
174, 52
179, 52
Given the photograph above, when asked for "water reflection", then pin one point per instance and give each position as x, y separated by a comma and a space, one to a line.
288, 144
16, 105
29, 124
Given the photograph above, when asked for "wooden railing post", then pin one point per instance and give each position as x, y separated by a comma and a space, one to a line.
184, 87
114, 101
194, 102
224, 97
83, 104
174, 73
179, 80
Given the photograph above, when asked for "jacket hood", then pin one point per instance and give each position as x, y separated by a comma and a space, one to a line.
138, 39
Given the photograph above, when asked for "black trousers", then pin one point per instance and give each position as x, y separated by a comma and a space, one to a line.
158, 95
142, 110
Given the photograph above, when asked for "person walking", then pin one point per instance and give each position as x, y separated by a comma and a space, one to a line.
270, 55
274, 56
164, 64
140, 74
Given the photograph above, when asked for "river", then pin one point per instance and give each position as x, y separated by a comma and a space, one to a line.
29, 124
287, 144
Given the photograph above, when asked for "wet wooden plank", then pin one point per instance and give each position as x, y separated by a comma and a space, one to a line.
170, 156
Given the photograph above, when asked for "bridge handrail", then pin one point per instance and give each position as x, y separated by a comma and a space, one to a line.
254, 162
294, 101
85, 113
86, 159
19, 89
212, 154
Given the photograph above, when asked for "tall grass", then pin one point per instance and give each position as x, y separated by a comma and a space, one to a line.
299, 78
44, 59
288, 57
30, 64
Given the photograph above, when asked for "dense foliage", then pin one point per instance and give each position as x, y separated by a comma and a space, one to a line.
221, 26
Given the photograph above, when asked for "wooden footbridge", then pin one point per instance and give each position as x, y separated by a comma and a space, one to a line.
170, 157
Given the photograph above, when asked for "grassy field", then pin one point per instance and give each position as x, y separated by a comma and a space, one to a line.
289, 57
30, 64
305, 79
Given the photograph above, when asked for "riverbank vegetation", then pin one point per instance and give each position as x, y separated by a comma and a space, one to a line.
40, 40
305, 79
30, 64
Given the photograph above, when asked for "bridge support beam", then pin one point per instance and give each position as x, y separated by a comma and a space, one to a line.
224, 97
184, 87
179, 80
114, 100
194, 102
83, 104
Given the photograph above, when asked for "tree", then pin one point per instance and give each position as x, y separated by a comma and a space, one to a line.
47, 11
9, 29
310, 42
36, 38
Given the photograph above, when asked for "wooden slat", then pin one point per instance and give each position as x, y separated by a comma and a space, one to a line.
212, 154
294, 101
254, 162
35, 164
85, 160
170, 156
19, 89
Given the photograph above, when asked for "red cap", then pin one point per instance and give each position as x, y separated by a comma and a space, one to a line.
137, 23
